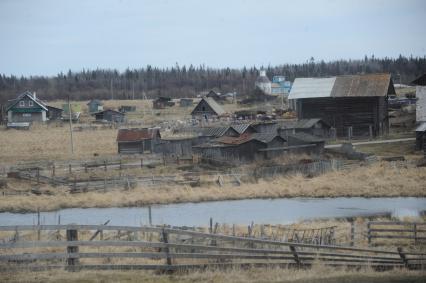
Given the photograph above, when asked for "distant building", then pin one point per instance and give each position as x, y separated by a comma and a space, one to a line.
110, 115
127, 108
186, 102
354, 105
162, 102
263, 83
420, 83
213, 94
207, 108
136, 141
95, 105
27, 108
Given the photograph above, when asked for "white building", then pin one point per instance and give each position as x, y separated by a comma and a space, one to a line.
421, 98
263, 83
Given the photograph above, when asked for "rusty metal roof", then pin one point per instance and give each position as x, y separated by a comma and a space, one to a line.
132, 135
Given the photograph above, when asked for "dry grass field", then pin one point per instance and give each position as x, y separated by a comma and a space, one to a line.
378, 180
318, 274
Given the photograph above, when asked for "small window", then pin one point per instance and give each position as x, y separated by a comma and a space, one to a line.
21, 103
30, 103
26, 115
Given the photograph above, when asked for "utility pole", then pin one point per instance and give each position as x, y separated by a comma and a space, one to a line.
112, 91
70, 117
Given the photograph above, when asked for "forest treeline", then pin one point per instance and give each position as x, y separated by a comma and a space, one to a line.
188, 81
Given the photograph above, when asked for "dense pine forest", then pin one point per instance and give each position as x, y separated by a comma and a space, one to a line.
188, 81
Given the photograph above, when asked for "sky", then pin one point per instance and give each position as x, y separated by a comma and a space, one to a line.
45, 37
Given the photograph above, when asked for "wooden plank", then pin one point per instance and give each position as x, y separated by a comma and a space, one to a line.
396, 223
391, 230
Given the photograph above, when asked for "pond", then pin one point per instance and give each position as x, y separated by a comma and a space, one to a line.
271, 211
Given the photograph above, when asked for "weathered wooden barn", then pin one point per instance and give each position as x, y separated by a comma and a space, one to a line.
308, 143
244, 148
207, 108
27, 108
176, 146
162, 102
137, 141
314, 126
110, 115
355, 104
95, 105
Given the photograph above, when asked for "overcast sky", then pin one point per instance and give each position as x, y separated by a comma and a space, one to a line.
48, 36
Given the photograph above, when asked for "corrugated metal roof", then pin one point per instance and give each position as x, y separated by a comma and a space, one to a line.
311, 87
213, 132
361, 85
131, 135
240, 128
214, 105
342, 86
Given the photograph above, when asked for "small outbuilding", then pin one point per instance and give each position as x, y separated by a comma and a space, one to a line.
137, 141
54, 113
207, 108
186, 102
110, 115
95, 105
127, 108
162, 102
313, 126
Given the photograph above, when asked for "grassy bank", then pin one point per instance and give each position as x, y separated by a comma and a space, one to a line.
379, 180
319, 274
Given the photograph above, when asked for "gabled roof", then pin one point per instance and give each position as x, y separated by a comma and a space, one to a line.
259, 137
343, 86
30, 96
132, 135
213, 105
241, 128
420, 80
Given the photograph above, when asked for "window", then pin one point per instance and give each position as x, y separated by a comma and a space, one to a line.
21, 103
26, 115
30, 103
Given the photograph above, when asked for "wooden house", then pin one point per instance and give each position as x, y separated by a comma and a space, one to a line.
134, 141
356, 104
162, 102
207, 108
110, 115
95, 105
27, 108
176, 146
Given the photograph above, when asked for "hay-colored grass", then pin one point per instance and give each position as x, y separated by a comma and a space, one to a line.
317, 274
379, 180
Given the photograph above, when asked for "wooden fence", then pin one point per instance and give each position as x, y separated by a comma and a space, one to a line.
413, 231
146, 246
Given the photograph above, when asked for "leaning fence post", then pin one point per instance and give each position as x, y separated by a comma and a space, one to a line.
149, 215
38, 224
415, 232
295, 255
368, 233
69, 169
141, 162
166, 249
72, 235
352, 232
38, 175
402, 256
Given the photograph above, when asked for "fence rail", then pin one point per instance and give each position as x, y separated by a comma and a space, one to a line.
180, 249
415, 231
